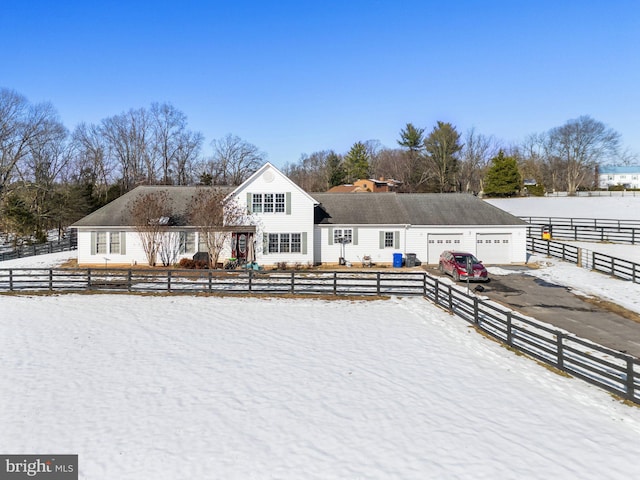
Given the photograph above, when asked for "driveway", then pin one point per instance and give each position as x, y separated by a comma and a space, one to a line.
557, 305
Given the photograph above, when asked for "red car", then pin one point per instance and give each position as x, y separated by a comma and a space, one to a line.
455, 264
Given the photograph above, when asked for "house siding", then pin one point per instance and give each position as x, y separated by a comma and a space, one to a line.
297, 217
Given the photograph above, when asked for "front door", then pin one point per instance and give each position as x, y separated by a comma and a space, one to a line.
240, 246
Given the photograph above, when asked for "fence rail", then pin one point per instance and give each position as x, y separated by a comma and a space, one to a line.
616, 267
586, 229
40, 249
614, 371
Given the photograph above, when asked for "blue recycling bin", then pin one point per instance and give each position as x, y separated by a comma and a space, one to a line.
397, 260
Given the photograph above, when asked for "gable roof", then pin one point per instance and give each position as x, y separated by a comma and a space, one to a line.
261, 171
409, 209
117, 214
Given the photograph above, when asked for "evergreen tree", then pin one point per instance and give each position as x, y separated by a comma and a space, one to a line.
503, 178
356, 162
335, 170
442, 146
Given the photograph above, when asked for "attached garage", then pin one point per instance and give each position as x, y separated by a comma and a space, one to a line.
494, 248
438, 242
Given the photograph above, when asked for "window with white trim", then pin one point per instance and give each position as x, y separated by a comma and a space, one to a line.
114, 243
268, 203
187, 242
342, 235
101, 242
285, 243
388, 239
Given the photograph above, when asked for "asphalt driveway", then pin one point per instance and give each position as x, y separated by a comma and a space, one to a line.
557, 305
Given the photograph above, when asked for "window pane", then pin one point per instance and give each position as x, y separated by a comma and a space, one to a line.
279, 202
114, 243
296, 243
268, 203
273, 243
101, 242
257, 203
388, 239
284, 243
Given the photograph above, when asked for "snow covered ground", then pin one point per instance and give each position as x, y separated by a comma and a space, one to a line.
239, 388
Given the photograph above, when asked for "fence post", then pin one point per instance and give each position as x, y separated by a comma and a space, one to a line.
437, 290
210, 280
630, 380
509, 330
476, 313
11, 279
560, 350
89, 278
378, 283
424, 284
50, 279
169, 281
613, 267
335, 283
450, 299
293, 288
129, 280
250, 280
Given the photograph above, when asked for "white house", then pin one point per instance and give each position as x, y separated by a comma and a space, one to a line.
627, 176
284, 224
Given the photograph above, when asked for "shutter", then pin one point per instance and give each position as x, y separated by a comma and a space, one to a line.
354, 236
330, 235
249, 202
265, 243
304, 243
123, 243
287, 201
381, 240
93, 243
396, 239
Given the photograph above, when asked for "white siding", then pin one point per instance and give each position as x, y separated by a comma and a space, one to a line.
413, 239
299, 219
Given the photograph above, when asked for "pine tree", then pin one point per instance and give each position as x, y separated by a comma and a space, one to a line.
357, 162
503, 178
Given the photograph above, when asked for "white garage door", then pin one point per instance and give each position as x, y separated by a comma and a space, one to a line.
493, 248
438, 242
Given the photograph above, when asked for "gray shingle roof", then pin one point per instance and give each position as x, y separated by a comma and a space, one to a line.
335, 208
116, 213
409, 208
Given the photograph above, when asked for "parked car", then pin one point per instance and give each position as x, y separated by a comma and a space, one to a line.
455, 264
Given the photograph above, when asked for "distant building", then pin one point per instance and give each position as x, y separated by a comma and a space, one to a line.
368, 185
627, 176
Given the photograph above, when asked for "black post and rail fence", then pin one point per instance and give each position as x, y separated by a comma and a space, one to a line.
614, 371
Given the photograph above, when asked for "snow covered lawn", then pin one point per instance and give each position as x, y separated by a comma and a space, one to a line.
195, 387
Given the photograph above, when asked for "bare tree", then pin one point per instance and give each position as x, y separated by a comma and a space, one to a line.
234, 160
475, 156
129, 139
92, 163
151, 214
214, 217
22, 128
173, 145
579, 145
169, 248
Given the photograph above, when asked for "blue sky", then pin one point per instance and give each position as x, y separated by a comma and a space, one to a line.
295, 77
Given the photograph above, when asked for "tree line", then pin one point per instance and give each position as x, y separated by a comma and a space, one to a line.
563, 158
51, 177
